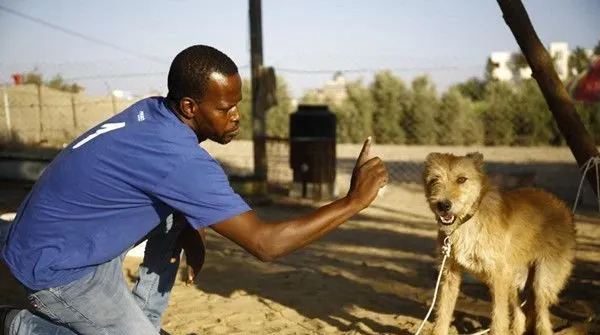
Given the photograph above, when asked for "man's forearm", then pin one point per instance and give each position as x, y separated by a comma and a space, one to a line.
289, 235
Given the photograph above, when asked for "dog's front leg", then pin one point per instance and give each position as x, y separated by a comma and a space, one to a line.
500, 298
451, 277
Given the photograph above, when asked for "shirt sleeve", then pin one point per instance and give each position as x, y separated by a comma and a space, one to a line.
200, 190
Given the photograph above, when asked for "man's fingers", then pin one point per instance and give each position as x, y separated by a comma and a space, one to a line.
364, 152
383, 175
376, 168
371, 163
190, 275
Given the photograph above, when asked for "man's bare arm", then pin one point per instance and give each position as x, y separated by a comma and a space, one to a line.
269, 240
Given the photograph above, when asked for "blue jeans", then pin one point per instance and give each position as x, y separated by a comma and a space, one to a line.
101, 302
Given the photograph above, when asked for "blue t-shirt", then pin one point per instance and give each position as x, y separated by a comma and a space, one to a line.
109, 188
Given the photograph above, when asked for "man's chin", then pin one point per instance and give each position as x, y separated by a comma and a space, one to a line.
224, 140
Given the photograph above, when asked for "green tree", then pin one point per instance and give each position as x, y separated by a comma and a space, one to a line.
594, 121
355, 114
420, 121
245, 107
516, 63
498, 112
597, 49
474, 128
473, 88
33, 78
590, 116
489, 70
391, 99
532, 121
578, 61
58, 83
278, 117
311, 97
457, 122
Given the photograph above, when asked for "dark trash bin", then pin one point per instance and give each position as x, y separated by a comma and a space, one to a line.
312, 151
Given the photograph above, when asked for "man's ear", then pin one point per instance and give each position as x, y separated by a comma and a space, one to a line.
187, 106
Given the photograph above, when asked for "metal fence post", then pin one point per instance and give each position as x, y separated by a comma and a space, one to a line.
74, 108
7, 112
40, 112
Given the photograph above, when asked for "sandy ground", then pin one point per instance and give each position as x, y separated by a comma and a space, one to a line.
373, 275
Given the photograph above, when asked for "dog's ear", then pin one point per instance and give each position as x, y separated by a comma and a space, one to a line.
432, 157
429, 161
476, 157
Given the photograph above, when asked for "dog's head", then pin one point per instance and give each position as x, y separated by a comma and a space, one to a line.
453, 184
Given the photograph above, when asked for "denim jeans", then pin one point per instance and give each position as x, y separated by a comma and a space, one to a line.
101, 302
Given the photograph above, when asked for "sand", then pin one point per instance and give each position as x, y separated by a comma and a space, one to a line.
373, 275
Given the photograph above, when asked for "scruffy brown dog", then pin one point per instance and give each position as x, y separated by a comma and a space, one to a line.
522, 239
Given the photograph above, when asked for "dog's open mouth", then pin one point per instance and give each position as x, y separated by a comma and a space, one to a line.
447, 218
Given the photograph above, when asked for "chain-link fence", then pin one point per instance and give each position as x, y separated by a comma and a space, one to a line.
518, 136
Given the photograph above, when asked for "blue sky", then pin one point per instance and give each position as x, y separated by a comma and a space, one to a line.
449, 40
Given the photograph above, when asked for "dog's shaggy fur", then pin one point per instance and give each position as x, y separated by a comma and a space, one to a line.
522, 239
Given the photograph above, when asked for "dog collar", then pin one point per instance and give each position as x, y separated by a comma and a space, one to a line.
474, 209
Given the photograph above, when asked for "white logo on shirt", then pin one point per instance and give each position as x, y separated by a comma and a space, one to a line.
103, 129
141, 116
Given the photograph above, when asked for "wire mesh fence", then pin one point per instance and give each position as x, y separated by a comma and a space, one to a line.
510, 122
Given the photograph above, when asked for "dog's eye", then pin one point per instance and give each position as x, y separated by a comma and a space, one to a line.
461, 180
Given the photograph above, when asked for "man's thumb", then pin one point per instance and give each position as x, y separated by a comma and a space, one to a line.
364, 153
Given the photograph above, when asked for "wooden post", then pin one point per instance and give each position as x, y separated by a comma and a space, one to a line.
114, 103
258, 109
74, 109
578, 139
7, 113
40, 113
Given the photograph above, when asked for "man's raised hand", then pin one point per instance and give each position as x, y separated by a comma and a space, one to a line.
368, 176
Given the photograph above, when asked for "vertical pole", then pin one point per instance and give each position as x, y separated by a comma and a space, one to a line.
569, 123
7, 112
40, 112
113, 99
258, 112
74, 109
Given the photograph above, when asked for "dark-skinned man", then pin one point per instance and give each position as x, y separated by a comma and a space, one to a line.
121, 182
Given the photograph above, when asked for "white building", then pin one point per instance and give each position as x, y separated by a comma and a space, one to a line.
501, 60
559, 51
334, 90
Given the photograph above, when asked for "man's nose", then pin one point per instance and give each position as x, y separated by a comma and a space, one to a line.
235, 114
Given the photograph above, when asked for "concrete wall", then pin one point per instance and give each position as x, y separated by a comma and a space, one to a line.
62, 115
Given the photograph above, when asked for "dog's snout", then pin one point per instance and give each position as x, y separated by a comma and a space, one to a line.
444, 205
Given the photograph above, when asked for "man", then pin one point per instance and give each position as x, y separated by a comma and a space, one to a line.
121, 180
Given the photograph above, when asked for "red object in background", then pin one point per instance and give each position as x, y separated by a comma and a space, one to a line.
17, 78
586, 87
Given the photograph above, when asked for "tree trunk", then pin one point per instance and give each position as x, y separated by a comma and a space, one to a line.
579, 141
